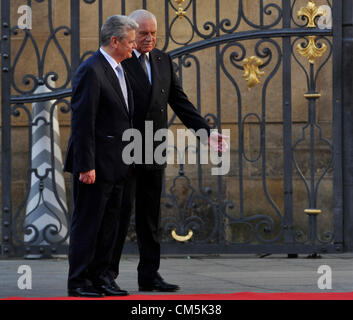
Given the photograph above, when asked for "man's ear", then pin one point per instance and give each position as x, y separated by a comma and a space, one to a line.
114, 41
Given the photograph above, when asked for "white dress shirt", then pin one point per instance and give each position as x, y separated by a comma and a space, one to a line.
119, 71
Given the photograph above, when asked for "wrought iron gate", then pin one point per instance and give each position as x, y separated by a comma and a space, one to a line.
282, 42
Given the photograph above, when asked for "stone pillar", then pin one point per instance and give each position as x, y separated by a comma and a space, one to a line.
46, 221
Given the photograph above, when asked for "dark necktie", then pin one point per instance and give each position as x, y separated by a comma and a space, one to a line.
142, 59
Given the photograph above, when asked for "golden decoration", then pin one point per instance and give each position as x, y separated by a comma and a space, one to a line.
311, 51
311, 11
182, 238
312, 95
251, 70
312, 211
180, 13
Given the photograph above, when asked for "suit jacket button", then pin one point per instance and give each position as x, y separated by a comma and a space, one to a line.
162, 109
162, 90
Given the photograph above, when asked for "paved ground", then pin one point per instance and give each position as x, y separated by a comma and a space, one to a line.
197, 274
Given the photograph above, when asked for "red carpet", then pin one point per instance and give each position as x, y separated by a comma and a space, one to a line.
232, 296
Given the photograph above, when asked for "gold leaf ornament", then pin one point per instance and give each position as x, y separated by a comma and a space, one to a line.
251, 70
311, 12
181, 12
311, 51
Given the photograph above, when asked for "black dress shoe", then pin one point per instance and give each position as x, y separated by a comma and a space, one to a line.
158, 284
111, 289
87, 292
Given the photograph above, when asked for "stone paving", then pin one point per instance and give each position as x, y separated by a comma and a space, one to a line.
195, 274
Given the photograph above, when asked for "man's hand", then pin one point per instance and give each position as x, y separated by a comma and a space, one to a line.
217, 141
88, 177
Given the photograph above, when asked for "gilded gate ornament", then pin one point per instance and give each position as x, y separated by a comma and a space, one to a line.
180, 13
182, 238
311, 12
313, 211
251, 70
311, 51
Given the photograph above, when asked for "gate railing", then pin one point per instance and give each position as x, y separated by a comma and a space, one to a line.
275, 47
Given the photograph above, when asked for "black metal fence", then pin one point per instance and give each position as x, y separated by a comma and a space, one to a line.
281, 43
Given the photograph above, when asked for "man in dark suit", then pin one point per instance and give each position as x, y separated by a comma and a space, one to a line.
155, 84
102, 108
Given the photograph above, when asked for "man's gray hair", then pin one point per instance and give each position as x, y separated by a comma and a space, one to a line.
141, 14
117, 26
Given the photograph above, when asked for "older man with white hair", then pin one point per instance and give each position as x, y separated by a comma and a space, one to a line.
155, 84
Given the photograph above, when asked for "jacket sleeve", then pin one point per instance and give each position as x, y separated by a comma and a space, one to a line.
182, 106
84, 105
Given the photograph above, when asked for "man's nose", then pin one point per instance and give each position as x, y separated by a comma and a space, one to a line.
149, 37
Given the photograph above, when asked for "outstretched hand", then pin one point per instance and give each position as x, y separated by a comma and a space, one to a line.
88, 177
218, 141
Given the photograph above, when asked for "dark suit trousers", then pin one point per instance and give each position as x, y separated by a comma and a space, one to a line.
93, 233
147, 217
126, 210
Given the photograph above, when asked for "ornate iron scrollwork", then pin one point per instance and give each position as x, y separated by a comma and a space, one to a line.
239, 38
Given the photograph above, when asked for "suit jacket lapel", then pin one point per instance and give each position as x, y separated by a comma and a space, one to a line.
110, 74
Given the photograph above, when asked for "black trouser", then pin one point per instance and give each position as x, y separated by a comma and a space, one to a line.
147, 217
95, 221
